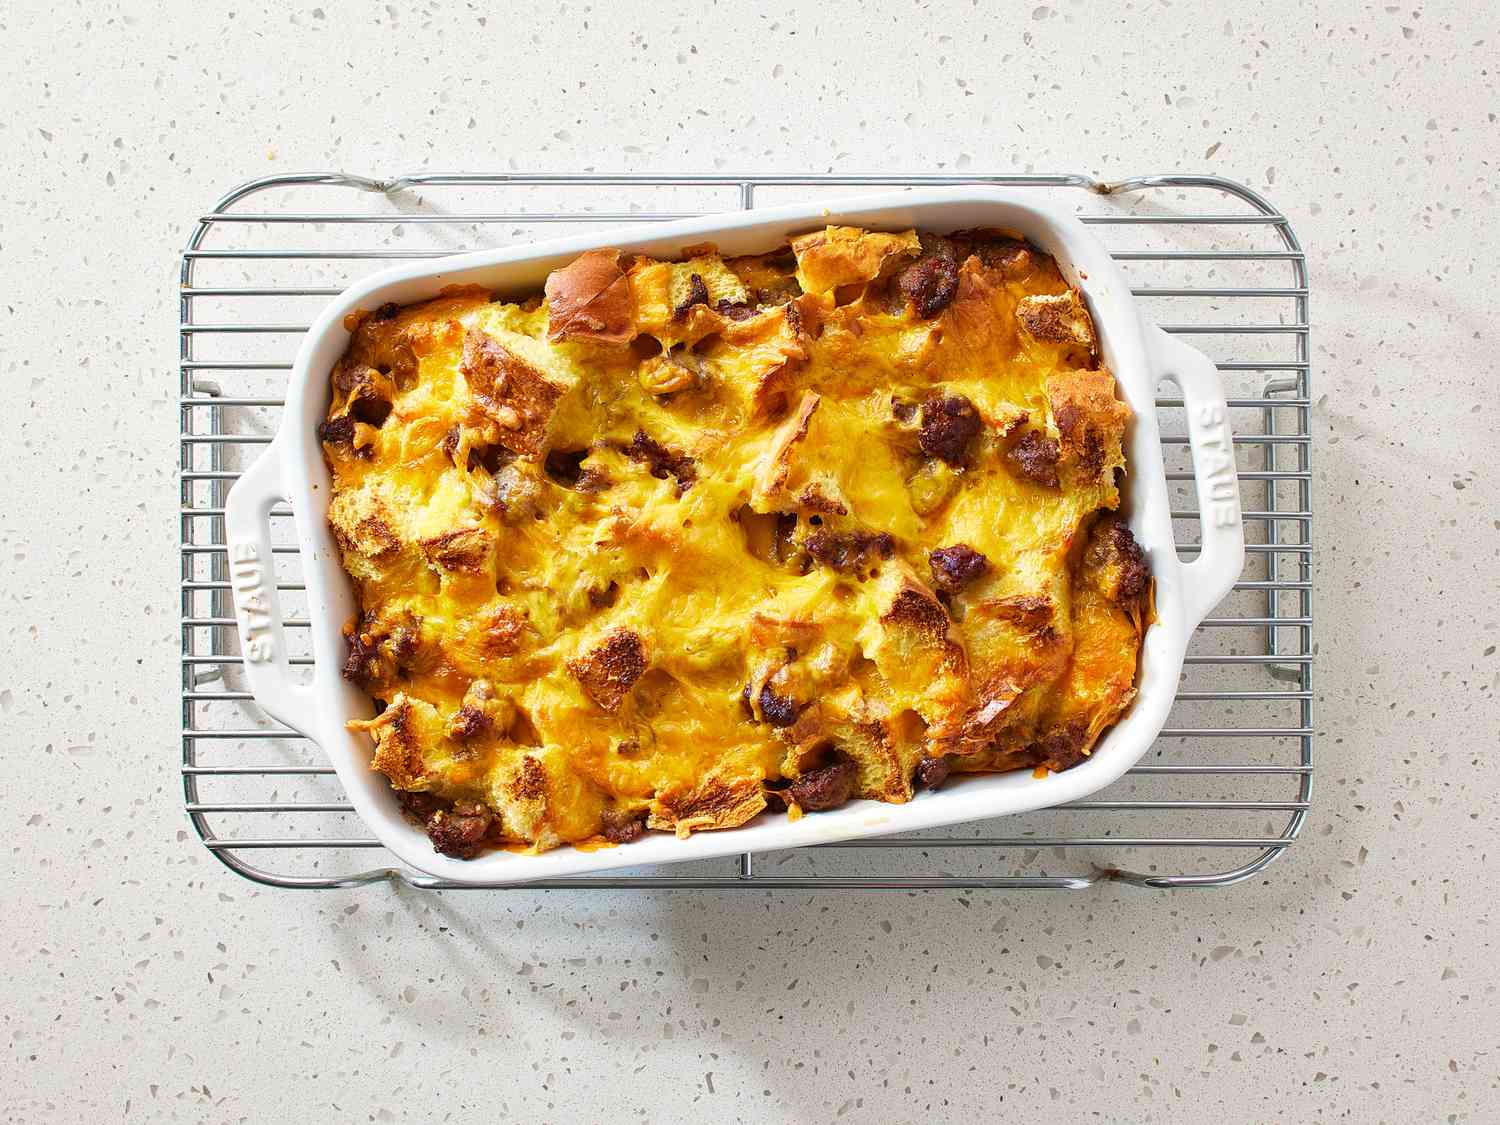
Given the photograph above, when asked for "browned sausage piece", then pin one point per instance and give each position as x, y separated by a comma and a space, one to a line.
850, 551
1035, 458
825, 788
378, 650
949, 425
929, 284
565, 466
1063, 747
1113, 542
363, 664
955, 567
621, 827
461, 832
932, 772
778, 710
417, 805
697, 294
661, 460
340, 431
468, 724
734, 310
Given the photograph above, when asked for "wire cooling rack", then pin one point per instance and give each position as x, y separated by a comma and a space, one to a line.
1221, 794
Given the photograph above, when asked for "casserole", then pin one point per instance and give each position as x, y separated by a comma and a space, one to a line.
612, 580
1137, 355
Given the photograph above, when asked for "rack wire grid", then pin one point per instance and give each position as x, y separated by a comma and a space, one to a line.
1222, 793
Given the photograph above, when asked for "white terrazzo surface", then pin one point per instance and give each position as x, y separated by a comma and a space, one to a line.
1356, 980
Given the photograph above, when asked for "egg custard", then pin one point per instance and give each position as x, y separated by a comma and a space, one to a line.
677, 541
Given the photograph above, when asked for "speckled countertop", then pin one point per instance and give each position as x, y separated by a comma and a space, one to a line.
1356, 979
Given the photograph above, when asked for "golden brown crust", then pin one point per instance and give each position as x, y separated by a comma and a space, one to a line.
777, 464
500, 631
837, 256
656, 549
529, 783
715, 803
399, 741
607, 671
510, 393
770, 348
920, 654
463, 549
914, 607
1029, 612
1058, 318
590, 299
979, 311
362, 525
1090, 420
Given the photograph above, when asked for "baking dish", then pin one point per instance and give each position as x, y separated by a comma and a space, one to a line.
1139, 355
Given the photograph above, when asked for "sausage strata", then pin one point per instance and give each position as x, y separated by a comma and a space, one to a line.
672, 544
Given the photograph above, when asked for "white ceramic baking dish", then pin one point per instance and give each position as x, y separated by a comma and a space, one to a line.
1140, 355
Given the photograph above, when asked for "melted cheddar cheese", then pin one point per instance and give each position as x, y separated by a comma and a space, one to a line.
683, 538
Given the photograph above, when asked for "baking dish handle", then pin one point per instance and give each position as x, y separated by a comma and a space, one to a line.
252, 579
1209, 577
